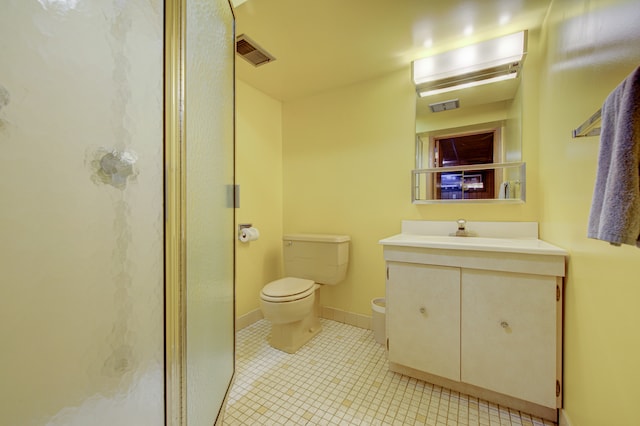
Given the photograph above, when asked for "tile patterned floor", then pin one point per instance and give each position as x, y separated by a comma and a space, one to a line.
341, 378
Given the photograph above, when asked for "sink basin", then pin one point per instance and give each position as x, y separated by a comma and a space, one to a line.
510, 245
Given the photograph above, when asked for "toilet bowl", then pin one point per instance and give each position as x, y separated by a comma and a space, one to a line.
288, 299
292, 304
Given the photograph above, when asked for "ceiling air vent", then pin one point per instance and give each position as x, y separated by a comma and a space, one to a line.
251, 52
445, 105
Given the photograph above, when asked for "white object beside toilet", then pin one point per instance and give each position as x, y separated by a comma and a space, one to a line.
292, 303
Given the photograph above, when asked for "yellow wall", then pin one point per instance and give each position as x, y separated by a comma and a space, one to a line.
345, 168
346, 161
259, 174
590, 47
485, 113
347, 157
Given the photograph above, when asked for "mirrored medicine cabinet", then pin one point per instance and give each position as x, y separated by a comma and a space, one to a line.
469, 146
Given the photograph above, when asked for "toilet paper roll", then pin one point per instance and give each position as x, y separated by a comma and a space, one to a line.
249, 234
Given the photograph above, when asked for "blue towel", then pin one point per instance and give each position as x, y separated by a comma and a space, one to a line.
615, 210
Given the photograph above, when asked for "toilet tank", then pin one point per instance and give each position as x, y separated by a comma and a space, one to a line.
319, 257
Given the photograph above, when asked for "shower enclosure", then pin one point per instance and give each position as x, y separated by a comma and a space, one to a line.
116, 214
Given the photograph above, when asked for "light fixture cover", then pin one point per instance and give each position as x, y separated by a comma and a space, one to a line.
479, 63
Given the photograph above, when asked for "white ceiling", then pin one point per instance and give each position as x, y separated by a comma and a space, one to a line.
323, 44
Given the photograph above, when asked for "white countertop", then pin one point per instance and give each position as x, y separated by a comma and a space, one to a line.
505, 245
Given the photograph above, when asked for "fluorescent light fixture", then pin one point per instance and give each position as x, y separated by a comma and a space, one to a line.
467, 85
486, 62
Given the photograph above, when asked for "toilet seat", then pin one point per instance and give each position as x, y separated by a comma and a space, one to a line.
287, 289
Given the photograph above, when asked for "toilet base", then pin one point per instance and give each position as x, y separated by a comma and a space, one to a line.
292, 336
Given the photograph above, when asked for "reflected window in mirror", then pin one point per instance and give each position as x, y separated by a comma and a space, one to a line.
482, 145
463, 150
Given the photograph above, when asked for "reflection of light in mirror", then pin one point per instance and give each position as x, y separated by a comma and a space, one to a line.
428, 42
59, 5
470, 84
468, 30
504, 18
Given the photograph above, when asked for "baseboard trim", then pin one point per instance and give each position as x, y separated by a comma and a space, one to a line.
326, 312
249, 318
351, 318
564, 419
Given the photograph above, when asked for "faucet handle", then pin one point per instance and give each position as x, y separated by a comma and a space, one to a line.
462, 224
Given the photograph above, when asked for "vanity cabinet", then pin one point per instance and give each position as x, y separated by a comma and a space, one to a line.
508, 336
423, 318
482, 323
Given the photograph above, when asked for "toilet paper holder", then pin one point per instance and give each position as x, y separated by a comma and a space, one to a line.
247, 233
242, 226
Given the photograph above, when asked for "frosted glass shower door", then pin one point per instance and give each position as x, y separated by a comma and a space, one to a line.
81, 212
209, 117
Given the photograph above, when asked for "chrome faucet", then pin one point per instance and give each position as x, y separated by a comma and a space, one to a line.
462, 231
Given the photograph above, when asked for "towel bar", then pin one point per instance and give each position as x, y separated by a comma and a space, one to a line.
591, 127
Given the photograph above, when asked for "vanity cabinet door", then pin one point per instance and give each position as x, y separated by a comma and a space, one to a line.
508, 334
423, 318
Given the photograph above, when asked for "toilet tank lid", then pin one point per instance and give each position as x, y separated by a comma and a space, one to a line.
323, 238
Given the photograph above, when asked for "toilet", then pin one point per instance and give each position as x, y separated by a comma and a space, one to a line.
292, 304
